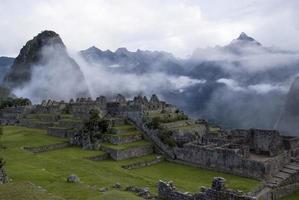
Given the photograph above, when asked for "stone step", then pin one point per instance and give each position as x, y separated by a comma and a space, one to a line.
282, 175
293, 167
272, 185
294, 164
124, 138
276, 179
289, 171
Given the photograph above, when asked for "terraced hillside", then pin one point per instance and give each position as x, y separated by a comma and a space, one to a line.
125, 141
36, 175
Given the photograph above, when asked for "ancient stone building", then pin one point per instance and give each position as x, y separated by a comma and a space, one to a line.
167, 191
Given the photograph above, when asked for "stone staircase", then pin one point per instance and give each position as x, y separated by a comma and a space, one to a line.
124, 141
284, 176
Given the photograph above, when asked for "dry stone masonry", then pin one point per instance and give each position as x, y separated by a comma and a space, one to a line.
218, 191
141, 126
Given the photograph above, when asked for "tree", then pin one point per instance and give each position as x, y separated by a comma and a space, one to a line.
95, 126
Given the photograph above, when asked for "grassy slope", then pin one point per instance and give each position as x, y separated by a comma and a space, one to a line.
50, 170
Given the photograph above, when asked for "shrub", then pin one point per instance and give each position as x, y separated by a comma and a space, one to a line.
165, 136
154, 123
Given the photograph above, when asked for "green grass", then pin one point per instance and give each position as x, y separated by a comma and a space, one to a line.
24, 191
294, 196
126, 146
50, 170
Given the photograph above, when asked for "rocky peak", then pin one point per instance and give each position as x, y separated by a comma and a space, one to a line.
244, 36
122, 50
30, 54
45, 56
245, 39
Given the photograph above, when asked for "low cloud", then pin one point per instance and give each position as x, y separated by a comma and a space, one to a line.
105, 82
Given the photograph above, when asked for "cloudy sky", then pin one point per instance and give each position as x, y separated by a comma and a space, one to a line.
177, 26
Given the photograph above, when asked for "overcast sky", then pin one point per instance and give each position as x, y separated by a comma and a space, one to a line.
177, 26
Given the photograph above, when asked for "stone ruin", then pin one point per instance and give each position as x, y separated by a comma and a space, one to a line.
253, 153
3, 176
167, 191
260, 154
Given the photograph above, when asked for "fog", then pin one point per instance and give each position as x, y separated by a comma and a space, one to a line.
248, 92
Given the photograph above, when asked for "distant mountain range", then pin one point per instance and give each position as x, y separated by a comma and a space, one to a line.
242, 84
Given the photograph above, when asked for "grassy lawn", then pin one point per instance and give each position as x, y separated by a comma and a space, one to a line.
50, 170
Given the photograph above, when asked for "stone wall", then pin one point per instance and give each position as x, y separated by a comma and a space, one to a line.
167, 191
128, 153
122, 139
62, 132
266, 141
230, 160
283, 191
136, 118
45, 148
137, 165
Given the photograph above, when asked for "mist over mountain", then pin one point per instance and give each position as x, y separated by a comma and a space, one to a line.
240, 85
288, 121
43, 69
139, 61
5, 64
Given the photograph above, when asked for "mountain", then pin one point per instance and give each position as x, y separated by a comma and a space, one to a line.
44, 67
5, 64
244, 39
140, 61
239, 85
289, 120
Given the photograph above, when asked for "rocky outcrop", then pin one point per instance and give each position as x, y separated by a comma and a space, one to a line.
45, 57
5, 63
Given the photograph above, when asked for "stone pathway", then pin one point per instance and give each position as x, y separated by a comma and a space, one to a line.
288, 171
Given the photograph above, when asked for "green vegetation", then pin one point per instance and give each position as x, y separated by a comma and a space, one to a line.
24, 190
12, 102
49, 170
165, 136
294, 196
126, 127
154, 123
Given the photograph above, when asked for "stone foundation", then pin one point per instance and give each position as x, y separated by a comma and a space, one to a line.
122, 139
128, 153
231, 160
157, 160
167, 191
61, 132
45, 148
